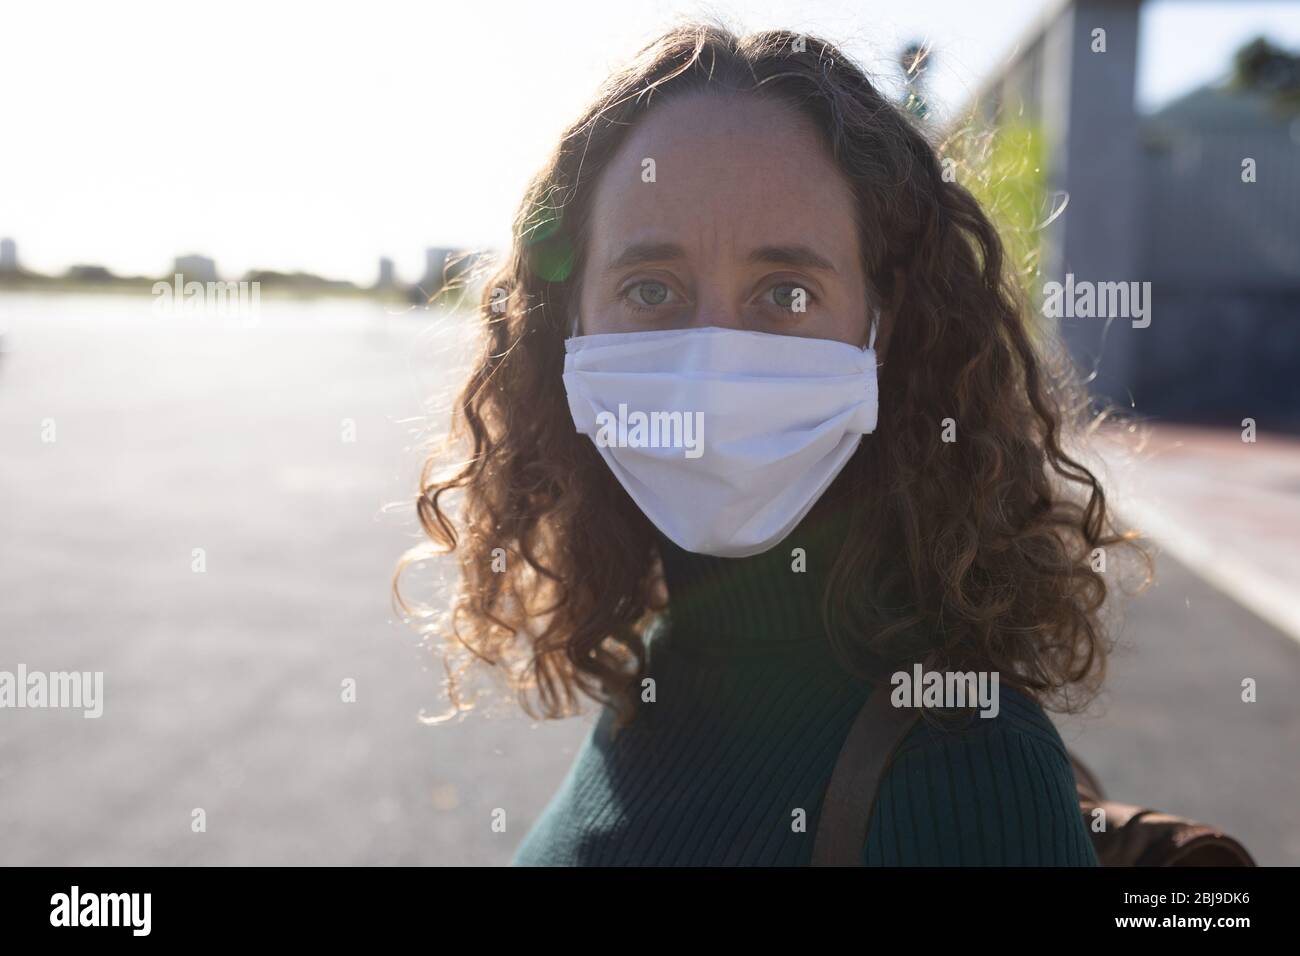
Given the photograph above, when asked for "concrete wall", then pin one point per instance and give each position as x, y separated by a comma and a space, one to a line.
1095, 161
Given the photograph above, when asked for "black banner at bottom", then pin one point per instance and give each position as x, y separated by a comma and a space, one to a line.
341, 905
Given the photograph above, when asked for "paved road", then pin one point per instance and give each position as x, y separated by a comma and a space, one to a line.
1173, 731
222, 688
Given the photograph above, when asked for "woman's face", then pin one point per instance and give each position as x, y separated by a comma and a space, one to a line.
742, 221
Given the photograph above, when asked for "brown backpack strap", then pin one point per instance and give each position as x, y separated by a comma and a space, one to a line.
863, 761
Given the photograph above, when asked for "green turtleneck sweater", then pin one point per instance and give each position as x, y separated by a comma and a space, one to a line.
749, 714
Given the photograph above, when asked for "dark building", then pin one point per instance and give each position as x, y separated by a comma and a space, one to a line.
1223, 257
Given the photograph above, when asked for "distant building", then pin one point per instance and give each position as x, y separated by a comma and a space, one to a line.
444, 269
387, 277
89, 273
196, 268
436, 263
8, 255
1220, 244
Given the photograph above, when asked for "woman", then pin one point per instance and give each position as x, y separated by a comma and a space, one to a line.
760, 424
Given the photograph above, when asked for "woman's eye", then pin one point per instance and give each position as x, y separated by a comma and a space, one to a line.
647, 294
792, 298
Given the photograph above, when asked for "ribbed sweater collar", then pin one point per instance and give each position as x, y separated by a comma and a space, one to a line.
757, 604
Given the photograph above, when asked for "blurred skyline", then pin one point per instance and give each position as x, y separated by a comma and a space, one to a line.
322, 139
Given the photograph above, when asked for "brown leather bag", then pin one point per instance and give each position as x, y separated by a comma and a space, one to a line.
1133, 836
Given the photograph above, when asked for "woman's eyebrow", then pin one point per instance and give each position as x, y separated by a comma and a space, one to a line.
797, 257
640, 253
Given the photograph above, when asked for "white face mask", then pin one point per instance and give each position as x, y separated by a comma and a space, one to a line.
724, 438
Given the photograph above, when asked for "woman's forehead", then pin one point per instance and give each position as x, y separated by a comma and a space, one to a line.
730, 171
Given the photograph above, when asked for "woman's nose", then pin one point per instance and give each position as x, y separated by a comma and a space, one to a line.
717, 310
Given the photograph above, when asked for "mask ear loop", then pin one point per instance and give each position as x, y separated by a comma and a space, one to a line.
871, 340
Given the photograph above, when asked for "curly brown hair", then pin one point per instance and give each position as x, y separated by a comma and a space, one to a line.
974, 553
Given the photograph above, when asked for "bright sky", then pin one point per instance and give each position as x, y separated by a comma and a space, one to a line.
321, 136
